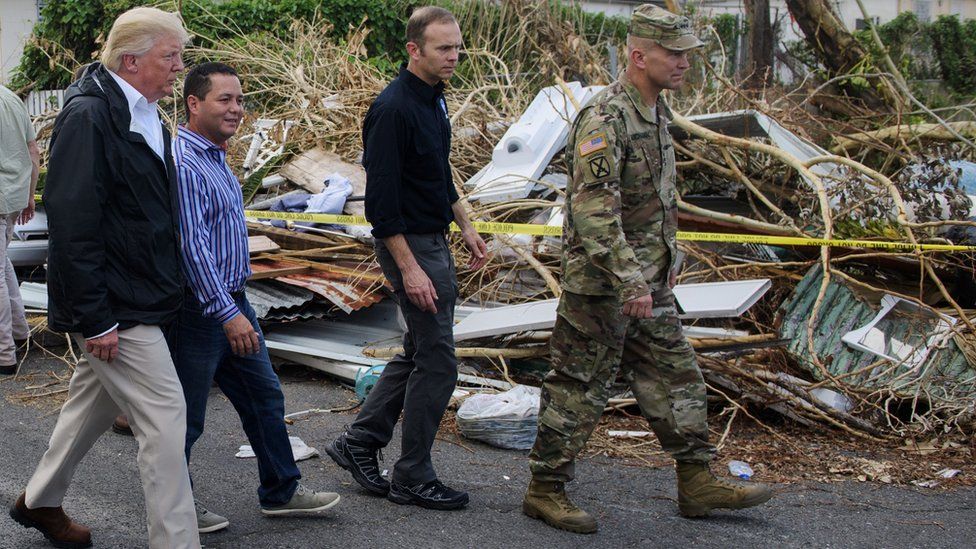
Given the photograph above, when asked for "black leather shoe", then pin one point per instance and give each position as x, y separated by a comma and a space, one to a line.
432, 495
361, 462
8, 370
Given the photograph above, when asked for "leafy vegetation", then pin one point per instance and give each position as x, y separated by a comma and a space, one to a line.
72, 31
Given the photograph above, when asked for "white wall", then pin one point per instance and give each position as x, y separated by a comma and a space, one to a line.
884, 10
17, 18
848, 10
609, 7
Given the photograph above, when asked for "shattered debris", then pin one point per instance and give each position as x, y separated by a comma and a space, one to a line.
856, 343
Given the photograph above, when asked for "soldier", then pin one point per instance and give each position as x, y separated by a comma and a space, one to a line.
617, 309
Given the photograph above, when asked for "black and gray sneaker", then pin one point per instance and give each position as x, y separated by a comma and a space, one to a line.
432, 495
361, 462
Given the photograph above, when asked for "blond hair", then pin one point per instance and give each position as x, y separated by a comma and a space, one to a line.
136, 31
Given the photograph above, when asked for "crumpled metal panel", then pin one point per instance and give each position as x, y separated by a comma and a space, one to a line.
348, 297
266, 296
842, 311
349, 289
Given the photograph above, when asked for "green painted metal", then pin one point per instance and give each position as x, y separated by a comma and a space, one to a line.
945, 371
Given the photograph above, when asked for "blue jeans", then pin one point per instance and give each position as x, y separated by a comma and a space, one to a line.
203, 355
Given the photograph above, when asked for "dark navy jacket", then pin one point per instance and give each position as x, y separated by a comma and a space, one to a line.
406, 143
113, 252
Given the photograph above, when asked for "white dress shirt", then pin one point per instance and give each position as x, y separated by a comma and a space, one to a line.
144, 116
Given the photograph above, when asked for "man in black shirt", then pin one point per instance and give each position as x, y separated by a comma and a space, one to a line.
411, 201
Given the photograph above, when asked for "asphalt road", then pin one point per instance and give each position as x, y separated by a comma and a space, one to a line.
634, 505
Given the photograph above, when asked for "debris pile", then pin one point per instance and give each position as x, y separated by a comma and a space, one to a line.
872, 339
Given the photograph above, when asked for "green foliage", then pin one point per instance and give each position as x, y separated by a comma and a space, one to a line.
909, 44
72, 31
65, 37
955, 48
386, 19
943, 50
729, 31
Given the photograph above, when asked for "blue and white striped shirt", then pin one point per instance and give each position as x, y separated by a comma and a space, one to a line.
212, 226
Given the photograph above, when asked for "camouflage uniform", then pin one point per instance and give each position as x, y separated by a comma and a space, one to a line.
619, 232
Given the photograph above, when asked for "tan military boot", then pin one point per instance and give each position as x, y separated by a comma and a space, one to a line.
547, 501
699, 491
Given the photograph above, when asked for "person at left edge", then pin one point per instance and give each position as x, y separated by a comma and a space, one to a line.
216, 336
19, 167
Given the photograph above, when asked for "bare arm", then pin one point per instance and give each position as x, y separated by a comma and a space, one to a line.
420, 290
28, 212
473, 240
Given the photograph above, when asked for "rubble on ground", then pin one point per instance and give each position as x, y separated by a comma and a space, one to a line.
782, 360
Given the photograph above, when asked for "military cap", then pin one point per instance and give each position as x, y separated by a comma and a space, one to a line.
667, 29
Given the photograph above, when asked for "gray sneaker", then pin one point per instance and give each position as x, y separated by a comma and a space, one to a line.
209, 522
304, 501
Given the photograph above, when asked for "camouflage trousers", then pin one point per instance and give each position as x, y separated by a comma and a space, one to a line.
591, 342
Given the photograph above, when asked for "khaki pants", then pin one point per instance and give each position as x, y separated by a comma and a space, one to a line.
13, 323
142, 383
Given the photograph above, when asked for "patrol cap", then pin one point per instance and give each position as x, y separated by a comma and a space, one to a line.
667, 29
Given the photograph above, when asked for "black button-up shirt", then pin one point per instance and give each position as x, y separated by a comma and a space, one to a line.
406, 142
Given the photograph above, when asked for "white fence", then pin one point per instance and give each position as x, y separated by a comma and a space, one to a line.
44, 101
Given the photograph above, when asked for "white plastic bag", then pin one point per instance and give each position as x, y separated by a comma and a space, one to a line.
507, 420
298, 448
332, 198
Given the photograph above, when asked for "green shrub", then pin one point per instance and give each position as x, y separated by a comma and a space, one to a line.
955, 49
65, 37
71, 31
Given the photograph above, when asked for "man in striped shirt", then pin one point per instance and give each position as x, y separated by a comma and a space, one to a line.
217, 337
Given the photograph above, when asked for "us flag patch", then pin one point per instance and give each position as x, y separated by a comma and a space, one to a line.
595, 143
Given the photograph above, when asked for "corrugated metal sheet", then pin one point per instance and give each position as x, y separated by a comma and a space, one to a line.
312, 311
346, 288
842, 311
266, 296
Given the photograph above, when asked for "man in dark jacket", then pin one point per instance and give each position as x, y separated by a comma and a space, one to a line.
114, 279
411, 201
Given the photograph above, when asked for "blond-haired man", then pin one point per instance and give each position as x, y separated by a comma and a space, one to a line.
114, 279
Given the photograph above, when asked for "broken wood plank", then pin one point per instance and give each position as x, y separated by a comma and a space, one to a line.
290, 240
260, 244
464, 352
275, 273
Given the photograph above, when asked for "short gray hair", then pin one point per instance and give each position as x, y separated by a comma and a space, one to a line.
136, 31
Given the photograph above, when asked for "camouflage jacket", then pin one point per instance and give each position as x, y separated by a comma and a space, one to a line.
621, 209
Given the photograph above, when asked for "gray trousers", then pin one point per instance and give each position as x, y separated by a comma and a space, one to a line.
419, 382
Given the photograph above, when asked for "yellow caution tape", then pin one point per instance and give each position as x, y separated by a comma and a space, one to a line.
801, 241
482, 227
547, 230
332, 219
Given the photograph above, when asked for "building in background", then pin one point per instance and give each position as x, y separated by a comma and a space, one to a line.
786, 30
850, 14
17, 19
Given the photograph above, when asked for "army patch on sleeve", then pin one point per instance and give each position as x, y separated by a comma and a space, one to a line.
599, 166
595, 142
